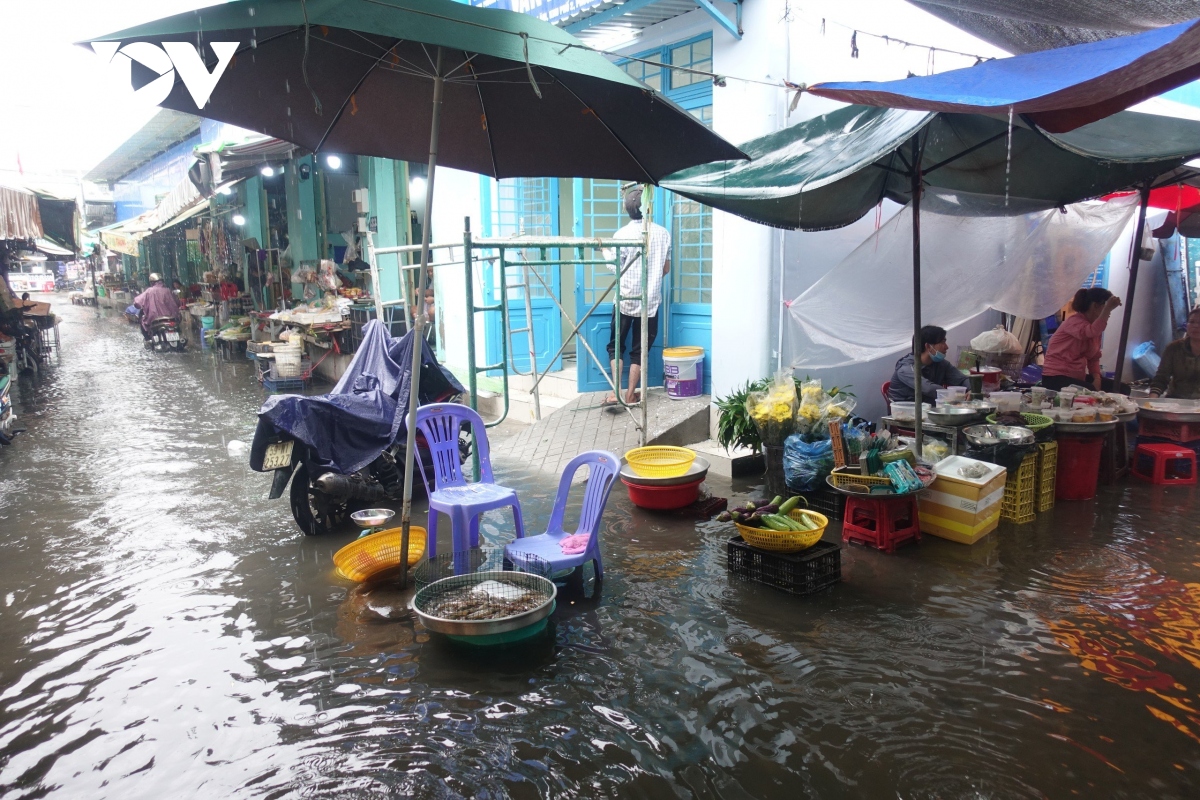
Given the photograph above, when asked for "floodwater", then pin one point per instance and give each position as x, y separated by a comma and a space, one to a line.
165, 631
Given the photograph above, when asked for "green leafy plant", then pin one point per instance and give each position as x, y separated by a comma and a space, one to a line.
734, 426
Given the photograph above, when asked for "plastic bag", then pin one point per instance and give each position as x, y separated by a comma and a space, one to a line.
772, 410
812, 404
805, 464
838, 410
997, 340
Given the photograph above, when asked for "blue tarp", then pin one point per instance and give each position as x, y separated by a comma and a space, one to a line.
348, 428
1060, 89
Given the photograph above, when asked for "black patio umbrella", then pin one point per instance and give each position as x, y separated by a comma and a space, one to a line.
485, 90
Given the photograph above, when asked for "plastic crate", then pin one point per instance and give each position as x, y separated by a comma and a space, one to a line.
1020, 493
803, 573
831, 504
303, 372
1172, 432
285, 384
1047, 469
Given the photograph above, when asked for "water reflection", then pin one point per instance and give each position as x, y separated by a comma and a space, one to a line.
166, 630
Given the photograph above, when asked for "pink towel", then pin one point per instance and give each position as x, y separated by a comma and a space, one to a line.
575, 544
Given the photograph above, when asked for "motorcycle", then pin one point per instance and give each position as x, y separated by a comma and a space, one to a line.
165, 336
8, 420
345, 450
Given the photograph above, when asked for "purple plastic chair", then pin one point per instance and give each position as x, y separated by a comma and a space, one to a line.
463, 502
602, 473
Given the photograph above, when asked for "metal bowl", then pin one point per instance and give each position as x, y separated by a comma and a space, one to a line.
990, 435
485, 627
372, 517
697, 471
954, 415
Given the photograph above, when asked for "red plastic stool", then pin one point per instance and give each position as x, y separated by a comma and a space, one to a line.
1165, 464
881, 522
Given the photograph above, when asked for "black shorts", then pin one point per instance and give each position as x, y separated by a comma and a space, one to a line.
634, 324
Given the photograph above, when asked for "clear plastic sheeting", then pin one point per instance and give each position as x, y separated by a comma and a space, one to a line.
977, 252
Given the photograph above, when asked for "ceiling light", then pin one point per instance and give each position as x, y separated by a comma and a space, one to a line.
267, 171
238, 219
333, 162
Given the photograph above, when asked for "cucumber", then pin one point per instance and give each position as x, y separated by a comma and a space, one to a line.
775, 522
804, 523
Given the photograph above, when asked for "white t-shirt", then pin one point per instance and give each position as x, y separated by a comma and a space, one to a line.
631, 278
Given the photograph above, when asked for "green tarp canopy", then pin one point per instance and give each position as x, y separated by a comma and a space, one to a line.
828, 171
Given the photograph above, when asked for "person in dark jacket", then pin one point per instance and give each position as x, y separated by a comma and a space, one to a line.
936, 371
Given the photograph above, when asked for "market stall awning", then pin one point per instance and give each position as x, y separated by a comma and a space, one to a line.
52, 249
1025, 26
19, 214
1059, 89
828, 171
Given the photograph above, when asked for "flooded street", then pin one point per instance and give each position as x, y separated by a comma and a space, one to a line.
166, 631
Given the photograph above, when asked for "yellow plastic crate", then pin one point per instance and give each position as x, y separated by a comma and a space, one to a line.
1020, 499
1047, 471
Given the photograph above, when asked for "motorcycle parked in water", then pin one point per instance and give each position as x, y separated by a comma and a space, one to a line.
8, 420
345, 450
165, 336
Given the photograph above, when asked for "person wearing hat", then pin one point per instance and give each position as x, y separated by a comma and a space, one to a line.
157, 301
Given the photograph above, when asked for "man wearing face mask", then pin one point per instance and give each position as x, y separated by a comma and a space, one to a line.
936, 371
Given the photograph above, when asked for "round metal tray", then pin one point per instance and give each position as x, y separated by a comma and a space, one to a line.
1085, 427
697, 471
1169, 416
456, 627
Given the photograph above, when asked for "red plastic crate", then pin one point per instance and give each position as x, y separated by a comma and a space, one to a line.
1173, 431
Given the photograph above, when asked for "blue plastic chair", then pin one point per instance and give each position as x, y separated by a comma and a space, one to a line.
602, 473
463, 502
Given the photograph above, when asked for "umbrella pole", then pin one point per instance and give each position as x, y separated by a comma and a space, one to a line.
918, 345
1135, 259
418, 329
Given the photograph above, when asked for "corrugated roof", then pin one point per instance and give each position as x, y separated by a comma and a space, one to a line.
165, 129
630, 22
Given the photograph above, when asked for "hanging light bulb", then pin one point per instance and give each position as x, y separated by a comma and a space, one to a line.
333, 162
238, 219
267, 171
225, 190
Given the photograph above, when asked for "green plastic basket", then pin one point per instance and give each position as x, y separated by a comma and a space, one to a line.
1035, 422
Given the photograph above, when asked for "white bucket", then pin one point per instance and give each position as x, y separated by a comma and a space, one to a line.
683, 369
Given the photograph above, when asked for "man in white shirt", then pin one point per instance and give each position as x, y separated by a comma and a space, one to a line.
659, 259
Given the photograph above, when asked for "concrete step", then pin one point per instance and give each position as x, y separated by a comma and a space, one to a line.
520, 406
560, 384
735, 463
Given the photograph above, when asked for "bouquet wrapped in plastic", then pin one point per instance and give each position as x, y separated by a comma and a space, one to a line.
773, 411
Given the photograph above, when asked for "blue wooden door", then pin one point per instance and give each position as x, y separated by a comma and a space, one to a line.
599, 213
512, 207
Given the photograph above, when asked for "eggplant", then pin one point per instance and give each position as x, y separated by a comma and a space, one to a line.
724, 516
768, 509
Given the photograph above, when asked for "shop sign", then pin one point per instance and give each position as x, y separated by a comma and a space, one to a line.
165, 61
120, 242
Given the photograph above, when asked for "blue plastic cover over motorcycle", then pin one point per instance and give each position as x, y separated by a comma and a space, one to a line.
348, 428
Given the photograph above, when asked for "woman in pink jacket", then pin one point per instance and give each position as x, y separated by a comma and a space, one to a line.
1073, 356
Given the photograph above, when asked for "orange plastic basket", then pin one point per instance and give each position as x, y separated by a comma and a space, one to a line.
372, 554
660, 461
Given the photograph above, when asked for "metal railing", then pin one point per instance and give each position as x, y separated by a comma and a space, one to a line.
587, 252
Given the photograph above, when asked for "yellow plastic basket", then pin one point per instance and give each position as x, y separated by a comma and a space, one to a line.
785, 541
843, 479
660, 461
372, 554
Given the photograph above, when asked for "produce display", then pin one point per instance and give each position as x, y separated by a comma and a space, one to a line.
772, 515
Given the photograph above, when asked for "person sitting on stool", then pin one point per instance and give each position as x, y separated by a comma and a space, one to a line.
659, 259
